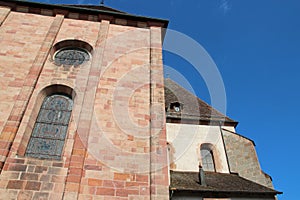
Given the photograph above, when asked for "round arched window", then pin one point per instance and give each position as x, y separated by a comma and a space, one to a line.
71, 56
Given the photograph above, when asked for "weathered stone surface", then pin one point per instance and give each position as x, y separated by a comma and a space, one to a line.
243, 159
107, 150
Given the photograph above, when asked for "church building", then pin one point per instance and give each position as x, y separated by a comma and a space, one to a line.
86, 113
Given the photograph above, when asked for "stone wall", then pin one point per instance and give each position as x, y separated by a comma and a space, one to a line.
243, 159
112, 149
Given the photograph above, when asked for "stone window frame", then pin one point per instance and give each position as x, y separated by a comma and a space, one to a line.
47, 91
71, 44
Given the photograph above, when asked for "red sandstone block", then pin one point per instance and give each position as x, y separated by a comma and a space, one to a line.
40, 169
30, 168
122, 177
55, 196
113, 184
93, 167
40, 195
47, 186
17, 167
72, 187
74, 179
58, 179
29, 176
135, 184
83, 189
92, 190
11, 175
33, 72
13, 160
77, 159
4, 144
33, 185
75, 164
59, 188
126, 192
22, 149
105, 191
56, 170
90, 161
75, 171
122, 193
29, 82
15, 184
15, 118
3, 184
142, 178
10, 129
153, 189
34, 162
3, 152
94, 73
112, 79
144, 191
23, 195
146, 149
94, 182
143, 122
107, 157
15, 84
45, 178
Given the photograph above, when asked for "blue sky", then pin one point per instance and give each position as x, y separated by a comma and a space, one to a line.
255, 45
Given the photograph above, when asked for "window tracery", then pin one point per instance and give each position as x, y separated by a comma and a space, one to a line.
50, 129
71, 56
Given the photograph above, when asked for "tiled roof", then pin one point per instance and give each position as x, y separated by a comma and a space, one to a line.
193, 108
218, 184
95, 7
84, 11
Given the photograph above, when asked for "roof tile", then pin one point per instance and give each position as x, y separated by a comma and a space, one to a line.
217, 182
192, 107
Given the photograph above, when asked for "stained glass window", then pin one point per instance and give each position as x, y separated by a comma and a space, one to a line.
207, 160
71, 56
49, 132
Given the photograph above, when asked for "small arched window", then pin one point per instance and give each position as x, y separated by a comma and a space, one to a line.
50, 129
207, 158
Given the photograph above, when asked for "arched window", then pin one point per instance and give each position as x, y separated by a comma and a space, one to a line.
207, 158
50, 129
71, 52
